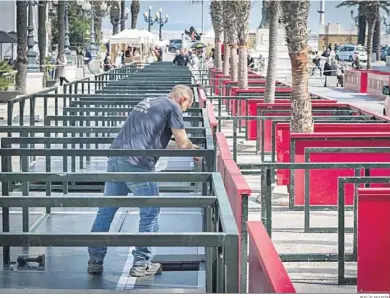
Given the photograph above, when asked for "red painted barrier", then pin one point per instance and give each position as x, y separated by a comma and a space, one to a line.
357, 79
213, 73
373, 261
202, 98
223, 153
325, 192
212, 119
236, 187
218, 78
236, 92
256, 108
376, 81
323, 183
266, 270
321, 130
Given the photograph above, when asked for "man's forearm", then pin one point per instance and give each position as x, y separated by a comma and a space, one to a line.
173, 145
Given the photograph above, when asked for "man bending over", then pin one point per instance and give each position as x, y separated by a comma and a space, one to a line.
150, 125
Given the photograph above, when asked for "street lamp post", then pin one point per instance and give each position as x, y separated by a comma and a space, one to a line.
32, 65
67, 51
91, 12
161, 22
148, 17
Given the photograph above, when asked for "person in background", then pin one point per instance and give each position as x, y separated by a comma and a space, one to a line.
160, 54
128, 53
317, 64
107, 64
181, 59
118, 59
356, 63
326, 54
327, 70
61, 69
251, 61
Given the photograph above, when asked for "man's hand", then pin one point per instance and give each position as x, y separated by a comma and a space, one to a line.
196, 158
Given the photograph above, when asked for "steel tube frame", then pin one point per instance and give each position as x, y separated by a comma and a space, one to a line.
226, 235
266, 197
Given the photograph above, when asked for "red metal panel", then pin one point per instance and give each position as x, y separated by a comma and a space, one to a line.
286, 105
323, 131
236, 187
373, 263
266, 270
223, 153
212, 119
202, 98
323, 183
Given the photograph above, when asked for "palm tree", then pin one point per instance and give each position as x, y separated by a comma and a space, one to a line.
42, 37
115, 16
123, 8
61, 31
230, 23
295, 14
226, 26
371, 9
274, 9
134, 13
21, 59
376, 43
242, 9
216, 12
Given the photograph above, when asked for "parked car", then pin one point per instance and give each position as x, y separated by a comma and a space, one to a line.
349, 51
385, 51
175, 45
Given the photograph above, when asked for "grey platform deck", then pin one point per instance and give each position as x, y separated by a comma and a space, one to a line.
65, 267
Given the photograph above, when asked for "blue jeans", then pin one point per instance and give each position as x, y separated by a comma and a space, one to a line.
148, 216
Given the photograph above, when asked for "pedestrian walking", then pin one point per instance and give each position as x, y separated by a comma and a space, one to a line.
150, 125
61, 69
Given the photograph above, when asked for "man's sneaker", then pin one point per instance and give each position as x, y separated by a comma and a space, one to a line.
95, 267
146, 270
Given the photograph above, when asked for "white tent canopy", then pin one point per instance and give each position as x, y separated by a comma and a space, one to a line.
127, 36
132, 37
147, 37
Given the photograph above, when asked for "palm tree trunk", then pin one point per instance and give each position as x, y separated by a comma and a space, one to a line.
134, 13
217, 53
115, 17
216, 11
295, 15
362, 23
243, 8
226, 56
42, 37
243, 66
234, 61
61, 29
370, 37
376, 44
123, 7
272, 52
21, 59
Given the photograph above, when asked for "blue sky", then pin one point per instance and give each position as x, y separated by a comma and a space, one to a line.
183, 14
